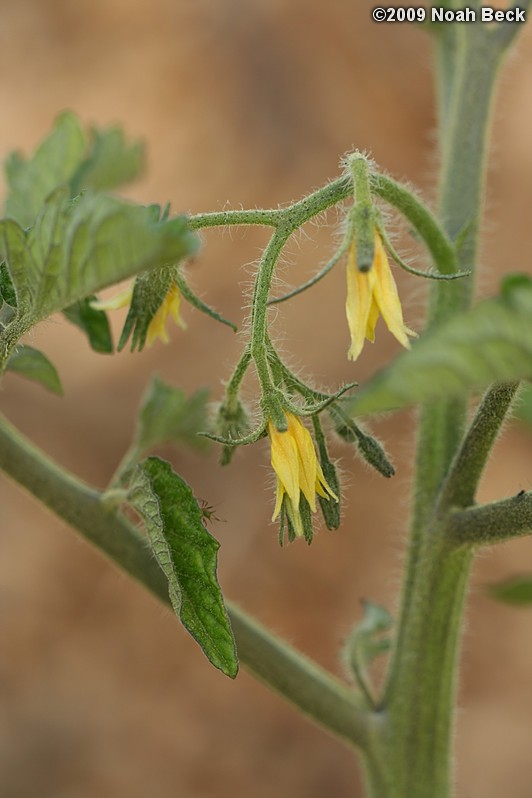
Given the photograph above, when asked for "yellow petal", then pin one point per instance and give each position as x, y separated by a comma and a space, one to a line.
307, 460
358, 303
284, 459
322, 486
170, 306
386, 295
279, 493
372, 321
120, 300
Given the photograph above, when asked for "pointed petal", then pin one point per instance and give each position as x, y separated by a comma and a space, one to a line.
173, 298
322, 486
157, 327
372, 321
387, 297
306, 458
358, 303
284, 459
120, 300
279, 493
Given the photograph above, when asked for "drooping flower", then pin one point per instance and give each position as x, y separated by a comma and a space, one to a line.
370, 294
170, 307
298, 470
157, 325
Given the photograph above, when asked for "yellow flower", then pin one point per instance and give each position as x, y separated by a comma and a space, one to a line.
157, 326
298, 471
170, 307
370, 294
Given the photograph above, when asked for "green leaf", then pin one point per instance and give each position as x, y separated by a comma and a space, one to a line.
94, 324
367, 641
490, 343
30, 363
523, 409
167, 415
516, 591
54, 163
111, 162
77, 247
68, 157
187, 554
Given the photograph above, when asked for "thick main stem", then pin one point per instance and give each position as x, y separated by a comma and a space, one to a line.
419, 697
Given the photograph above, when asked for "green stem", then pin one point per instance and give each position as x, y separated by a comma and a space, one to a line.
461, 485
419, 697
227, 218
318, 694
492, 523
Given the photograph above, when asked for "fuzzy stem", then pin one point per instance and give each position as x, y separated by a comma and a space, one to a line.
418, 701
318, 694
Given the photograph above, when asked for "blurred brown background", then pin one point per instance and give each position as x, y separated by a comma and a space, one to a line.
246, 102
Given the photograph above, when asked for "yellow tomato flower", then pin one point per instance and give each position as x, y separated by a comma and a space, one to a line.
370, 294
170, 307
298, 470
157, 326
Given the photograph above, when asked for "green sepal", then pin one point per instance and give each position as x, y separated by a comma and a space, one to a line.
232, 421
490, 343
187, 554
516, 591
330, 509
199, 304
285, 521
369, 447
366, 642
306, 518
32, 364
168, 415
94, 323
149, 294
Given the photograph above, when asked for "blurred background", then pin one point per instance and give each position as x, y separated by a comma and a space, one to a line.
240, 102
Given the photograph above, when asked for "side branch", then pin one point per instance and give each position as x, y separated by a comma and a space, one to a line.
492, 523
227, 218
466, 470
318, 694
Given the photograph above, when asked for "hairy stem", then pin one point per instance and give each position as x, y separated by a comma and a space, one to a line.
318, 694
492, 523
419, 697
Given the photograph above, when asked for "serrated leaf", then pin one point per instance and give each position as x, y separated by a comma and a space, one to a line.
68, 157
516, 591
187, 554
53, 164
490, 343
94, 324
78, 247
111, 162
30, 363
167, 415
